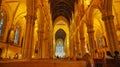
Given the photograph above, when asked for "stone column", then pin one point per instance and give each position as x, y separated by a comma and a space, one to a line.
51, 44
82, 38
40, 33
74, 48
77, 44
27, 47
111, 33
71, 48
91, 41
30, 21
40, 39
45, 42
81, 9
108, 19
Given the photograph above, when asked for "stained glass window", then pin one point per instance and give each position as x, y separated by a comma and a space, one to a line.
16, 38
60, 50
1, 22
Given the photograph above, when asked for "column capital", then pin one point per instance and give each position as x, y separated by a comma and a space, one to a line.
45, 39
40, 31
77, 42
90, 30
82, 38
108, 17
32, 17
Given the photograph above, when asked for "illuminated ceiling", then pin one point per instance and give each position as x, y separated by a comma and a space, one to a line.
17, 10
62, 8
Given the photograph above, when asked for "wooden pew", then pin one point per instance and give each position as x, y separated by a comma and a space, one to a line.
42, 63
99, 62
107, 62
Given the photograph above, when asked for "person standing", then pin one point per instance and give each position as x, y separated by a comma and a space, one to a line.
16, 56
1, 53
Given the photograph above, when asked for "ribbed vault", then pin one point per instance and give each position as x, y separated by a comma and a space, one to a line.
62, 8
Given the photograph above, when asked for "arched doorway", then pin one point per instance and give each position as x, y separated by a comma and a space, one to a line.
61, 38
60, 43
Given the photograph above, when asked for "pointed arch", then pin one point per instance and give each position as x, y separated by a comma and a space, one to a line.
3, 23
90, 15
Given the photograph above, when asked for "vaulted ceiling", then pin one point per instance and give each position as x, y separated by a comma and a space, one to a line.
60, 34
62, 8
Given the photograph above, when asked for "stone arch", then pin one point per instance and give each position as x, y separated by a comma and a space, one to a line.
4, 14
59, 33
19, 17
19, 23
83, 36
61, 23
61, 18
6, 9
82, 29
90, 14
96, 23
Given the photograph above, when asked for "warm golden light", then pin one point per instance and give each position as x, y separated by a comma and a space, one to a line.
87, 26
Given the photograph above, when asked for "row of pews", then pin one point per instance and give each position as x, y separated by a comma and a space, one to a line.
42, 63
107, 62
59, 63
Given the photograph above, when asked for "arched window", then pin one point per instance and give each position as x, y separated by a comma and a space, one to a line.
16, 38
59, 50
1, 22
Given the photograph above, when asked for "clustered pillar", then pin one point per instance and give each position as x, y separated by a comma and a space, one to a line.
83, 45
111, 34
91, 41
40, 33
108, 19
30, 21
